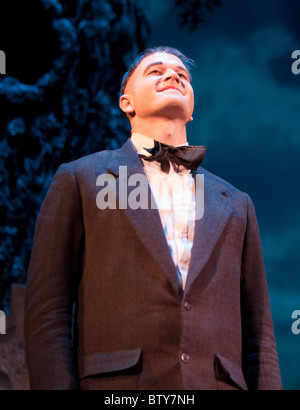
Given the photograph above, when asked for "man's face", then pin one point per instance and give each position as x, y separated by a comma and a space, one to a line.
160, 86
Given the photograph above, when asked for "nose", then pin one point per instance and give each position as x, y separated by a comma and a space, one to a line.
171, 75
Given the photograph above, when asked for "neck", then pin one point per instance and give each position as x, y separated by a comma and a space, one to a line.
172, 132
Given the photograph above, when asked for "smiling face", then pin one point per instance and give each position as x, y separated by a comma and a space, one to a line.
159, 87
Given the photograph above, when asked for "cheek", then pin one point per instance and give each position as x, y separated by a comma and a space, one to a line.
147, 102
191, 102
142, 100
141, 94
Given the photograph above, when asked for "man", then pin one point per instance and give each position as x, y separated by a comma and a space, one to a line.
165, 298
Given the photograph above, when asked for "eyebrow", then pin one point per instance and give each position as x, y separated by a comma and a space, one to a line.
162, 63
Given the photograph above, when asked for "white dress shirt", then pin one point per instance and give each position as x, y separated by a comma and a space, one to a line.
174, 194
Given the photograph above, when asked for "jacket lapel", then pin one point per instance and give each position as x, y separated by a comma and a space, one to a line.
146, 222
208, 229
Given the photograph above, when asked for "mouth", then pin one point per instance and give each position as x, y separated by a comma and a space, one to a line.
170, 87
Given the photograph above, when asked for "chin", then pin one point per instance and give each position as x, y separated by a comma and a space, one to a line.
175, 111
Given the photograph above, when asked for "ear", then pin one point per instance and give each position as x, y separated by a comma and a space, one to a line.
126, 104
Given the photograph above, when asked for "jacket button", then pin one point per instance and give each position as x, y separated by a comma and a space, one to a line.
185, 358
187, 306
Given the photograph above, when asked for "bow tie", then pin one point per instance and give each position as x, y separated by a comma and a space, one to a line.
188, 156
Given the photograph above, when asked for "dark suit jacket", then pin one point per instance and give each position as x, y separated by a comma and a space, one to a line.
133, 327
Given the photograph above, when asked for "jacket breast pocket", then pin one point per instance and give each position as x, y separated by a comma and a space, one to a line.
118, 370
229, 375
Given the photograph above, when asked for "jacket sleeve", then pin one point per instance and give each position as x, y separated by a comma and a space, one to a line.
260, 359
51, 286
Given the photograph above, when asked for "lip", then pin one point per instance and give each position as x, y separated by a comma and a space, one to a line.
170, 87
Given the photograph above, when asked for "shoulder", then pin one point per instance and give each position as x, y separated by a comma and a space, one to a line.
215, 183
220, 183
81, 172
88, 162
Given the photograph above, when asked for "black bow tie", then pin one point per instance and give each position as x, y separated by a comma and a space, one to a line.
188, 156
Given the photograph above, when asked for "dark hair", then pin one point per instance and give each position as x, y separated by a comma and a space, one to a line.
159, 49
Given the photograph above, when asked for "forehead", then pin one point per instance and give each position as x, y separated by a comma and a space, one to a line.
160, 57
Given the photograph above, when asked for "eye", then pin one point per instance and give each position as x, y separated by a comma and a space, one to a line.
181, 75
154, 72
